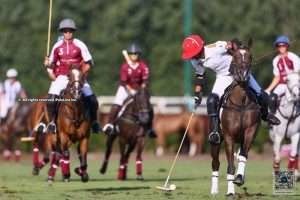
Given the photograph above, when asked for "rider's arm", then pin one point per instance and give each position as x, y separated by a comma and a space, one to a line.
145, 76
86, 66
273, 84
276, 77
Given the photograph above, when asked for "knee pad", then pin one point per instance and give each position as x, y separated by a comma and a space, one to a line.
213, 101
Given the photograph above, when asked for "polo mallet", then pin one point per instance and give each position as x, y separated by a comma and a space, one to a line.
166, 186
49, 27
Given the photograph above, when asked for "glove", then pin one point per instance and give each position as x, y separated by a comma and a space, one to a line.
198, 99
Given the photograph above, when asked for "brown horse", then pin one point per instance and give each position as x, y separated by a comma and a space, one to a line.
73, 125
13, 127
43, 141
135, 113
167, 124
240, 120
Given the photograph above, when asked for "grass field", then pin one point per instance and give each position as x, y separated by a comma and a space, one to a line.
192, 177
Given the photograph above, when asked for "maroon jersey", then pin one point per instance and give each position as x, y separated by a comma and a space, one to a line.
134, 77
67, 53
282, 66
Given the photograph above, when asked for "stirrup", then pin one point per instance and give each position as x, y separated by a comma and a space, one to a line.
108, 129
214, 137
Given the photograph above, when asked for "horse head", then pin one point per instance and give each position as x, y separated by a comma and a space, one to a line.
293, 86
241, 61
143, 106
76, 81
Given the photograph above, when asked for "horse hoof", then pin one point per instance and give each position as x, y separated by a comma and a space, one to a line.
102, 170
239, 180
139, 178
77, 171
230, 196
85, 178
66, 178
50, 180
35, 171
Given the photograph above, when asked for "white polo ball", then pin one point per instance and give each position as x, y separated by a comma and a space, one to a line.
172, 186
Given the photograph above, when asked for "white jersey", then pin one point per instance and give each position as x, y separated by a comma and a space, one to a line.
215, 58
12, 90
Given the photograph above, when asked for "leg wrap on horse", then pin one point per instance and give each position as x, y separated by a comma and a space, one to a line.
65, 164
213, 112
139, 166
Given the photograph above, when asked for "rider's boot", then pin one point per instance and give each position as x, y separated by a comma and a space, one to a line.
149, 128
52, 107
109, 127
92, 105
213, 101
263, 101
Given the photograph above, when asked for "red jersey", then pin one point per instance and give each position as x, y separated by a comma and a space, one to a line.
282, 66
67, 53
134, 77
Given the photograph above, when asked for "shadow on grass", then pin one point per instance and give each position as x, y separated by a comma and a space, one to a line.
109, 189
133, 179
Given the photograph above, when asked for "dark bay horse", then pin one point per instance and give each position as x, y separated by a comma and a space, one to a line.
240, 119
134, 114
73, 125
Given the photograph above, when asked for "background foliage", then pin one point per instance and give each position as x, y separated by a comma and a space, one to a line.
108, 26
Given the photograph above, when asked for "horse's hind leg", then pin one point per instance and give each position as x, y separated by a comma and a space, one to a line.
215, 150
139, 159
229, 148
109, 145
294, 148
82, 170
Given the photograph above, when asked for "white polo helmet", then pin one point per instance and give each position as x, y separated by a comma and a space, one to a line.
67, 23
11, 73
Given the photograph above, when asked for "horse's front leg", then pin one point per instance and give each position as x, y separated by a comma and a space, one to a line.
276, 151
109, 144
123, 162
53, 166
215, 164
139, 159
82, 170
292, 165
229, 148
246, 143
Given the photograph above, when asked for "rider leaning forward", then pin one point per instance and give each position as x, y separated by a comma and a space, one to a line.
66, 53
216, 57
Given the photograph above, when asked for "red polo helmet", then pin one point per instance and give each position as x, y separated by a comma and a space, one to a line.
191, 46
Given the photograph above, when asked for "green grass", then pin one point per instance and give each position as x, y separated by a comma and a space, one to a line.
192, 177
